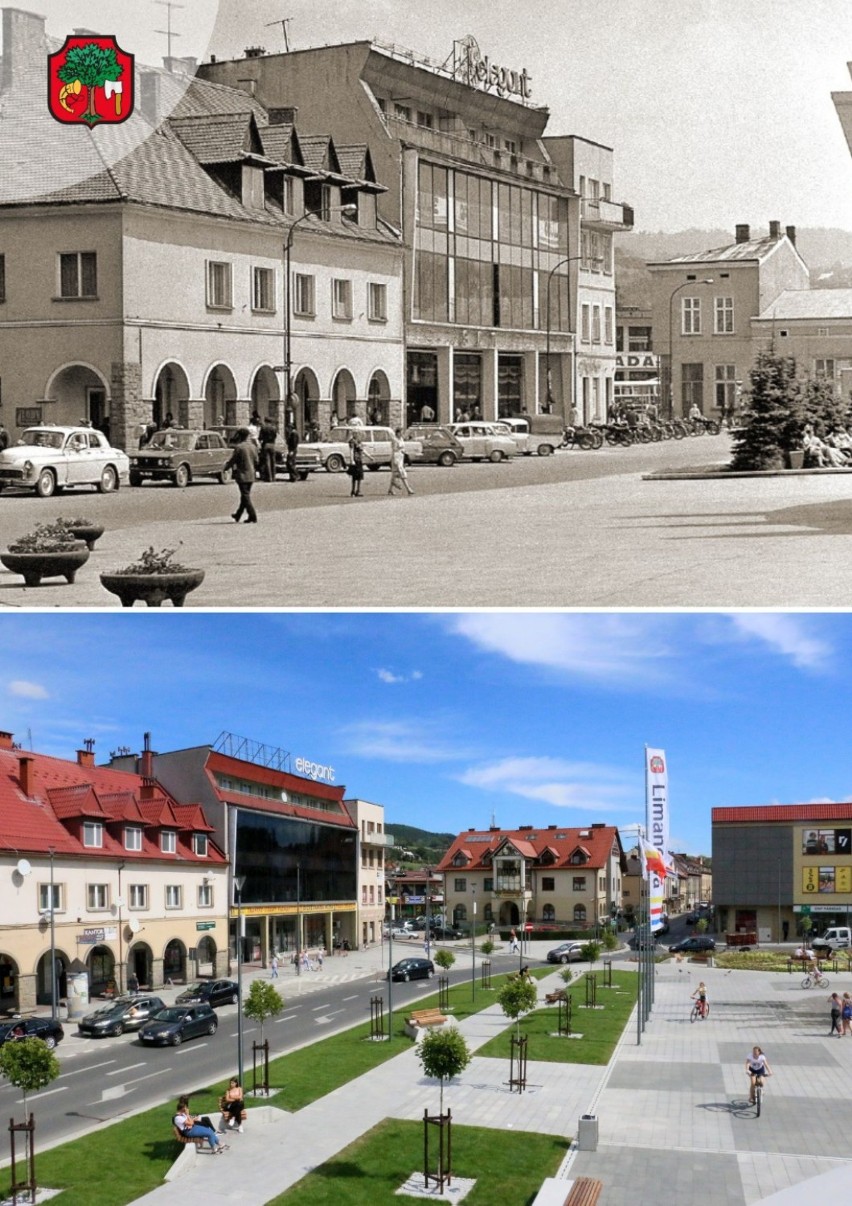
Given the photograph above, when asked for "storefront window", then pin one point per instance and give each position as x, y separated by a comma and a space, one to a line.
510, 385
467, 384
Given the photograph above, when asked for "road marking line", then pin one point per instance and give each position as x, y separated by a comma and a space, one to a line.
317, 1008
90, 1068
354, 997
47, 1093
137, 1079
129, 1068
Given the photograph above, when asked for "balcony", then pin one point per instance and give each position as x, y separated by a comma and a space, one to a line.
458, 146
601, 214
377, 839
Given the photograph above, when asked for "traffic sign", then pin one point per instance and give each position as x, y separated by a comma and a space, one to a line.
528, 927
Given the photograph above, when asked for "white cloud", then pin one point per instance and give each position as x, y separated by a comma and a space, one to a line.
399, 741
581, 785
785, 634
610, 648
28, 690
388, 676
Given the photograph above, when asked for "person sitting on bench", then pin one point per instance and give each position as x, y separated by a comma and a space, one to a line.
195, 1128
233, 1104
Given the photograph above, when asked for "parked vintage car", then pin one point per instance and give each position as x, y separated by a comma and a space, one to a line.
541, 434
437, 445
214, 992
177, 1023
484, 441
47, 459
124, 1013
375, 442
48, 1031
179, 456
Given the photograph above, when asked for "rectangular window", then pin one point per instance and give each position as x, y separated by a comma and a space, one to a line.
44, 901
2, 278
402, 112
288, 195
724, 316
304, 301
219, 285
596, 324
378, 301
263, 290
199, 845
174, 896
461, 885
824, 369
97, 897
579, 883
692, 387
690, 315
585, 333
205, 896
726, 387
133, 838
137, 896
341, 298
78, 274
639, 339
608, 326
168, 841
488, 885
548, 883
93, 833
425, 119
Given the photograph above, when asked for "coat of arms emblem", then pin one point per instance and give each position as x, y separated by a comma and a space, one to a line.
90, 80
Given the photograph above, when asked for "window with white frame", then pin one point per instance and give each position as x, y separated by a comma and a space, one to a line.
133, 837
174, 896
579, 912
690, 316
596, 324
724, 316
341, 298
93, 834
586, 319
304, 298
219, 285
137, 896
377, 295
579, 883
78, 274
44, 902
726, 387
168, 841
824, 369
199, 845
263, 290
288, 195
205, 896
608, 327
97, 897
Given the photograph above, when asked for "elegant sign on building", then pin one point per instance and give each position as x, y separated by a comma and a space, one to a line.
476, 70
314, 770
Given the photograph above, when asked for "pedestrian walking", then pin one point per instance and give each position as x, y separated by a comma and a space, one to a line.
243, 462
274, 966
292, 449
846, 1014
320, 954
836, 1011
356, 467
513, 943
399, 477
267, 436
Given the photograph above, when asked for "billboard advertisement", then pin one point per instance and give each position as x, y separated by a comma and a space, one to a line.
656, 827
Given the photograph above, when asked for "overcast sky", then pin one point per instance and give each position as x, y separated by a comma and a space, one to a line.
447, 720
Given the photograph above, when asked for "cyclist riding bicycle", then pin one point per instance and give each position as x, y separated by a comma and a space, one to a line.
757, 1068
701, 995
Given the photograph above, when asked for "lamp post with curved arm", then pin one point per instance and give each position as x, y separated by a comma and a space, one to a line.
569, 259
686, 285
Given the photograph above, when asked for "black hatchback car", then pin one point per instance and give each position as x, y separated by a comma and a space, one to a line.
177, 1023
214, 992
124, 1013
48, 1031
698, 942
412, 969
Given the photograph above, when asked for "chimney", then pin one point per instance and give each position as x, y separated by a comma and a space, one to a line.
146, 762
743, 233
24, 44
148, 789
6, 742
25, 774
85, 757
775, 230
283, 115
177, 66
149, 96
791, 234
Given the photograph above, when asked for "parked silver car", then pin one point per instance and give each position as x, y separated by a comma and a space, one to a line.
484, 441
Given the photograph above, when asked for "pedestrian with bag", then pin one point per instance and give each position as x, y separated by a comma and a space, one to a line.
356, 466
243, 462
399, 477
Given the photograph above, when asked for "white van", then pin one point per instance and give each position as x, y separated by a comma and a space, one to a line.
836, 938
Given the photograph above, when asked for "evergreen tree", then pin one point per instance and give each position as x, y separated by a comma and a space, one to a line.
773, 417
825, 408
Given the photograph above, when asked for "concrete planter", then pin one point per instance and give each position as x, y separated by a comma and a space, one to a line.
90, 532
35, 566
795, 458
153, 589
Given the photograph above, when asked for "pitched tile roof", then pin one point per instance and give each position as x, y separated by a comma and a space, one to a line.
479, 845
752, 249
811, 303
219, 138
783, 812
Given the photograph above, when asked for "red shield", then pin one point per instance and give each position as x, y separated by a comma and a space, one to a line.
90, 81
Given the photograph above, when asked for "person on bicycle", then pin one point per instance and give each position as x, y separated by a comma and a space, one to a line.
700, 995
757, 1068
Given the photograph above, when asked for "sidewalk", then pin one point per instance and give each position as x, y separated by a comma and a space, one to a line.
672, 1111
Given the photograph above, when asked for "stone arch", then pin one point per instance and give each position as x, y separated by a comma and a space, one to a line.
220, 396
170, 388
78, 391
265, 393
205, 959
100, 964
305, 401
548, 913
140, 963
343, 395
509, 913
9, 988
580, 912
378, 398
44, 984
174, 961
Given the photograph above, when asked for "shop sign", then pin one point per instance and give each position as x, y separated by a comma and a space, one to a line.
291, 910
637, 360
313, 770
817, 908
476, 70
94, 934
205, 925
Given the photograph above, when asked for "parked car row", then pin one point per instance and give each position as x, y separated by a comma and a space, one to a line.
46, 1029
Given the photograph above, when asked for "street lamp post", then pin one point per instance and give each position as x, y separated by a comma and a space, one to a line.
686, 285
549, 399
239, 881
428, 917
53, 1004
473, 946
299, 917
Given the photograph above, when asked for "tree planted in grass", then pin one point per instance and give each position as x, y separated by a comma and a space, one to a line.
28, 1065
516, 997
610, 942
445, 959
566, 975
263, 1002
487, 947
444, 1054
591, 950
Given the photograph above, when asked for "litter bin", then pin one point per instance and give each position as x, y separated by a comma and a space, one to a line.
587, 1133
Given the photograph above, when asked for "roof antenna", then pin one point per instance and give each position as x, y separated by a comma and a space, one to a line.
283, 22
89, 743
169, 5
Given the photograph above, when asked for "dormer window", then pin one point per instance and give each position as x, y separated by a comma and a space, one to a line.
199, 845
578, 858
459, 860
93, 834
133, 838
168, 841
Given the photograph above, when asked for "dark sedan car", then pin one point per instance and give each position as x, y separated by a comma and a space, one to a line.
445, 933
565, 952
178, 456
124, 1013
698, 942
177, 1023
48, 1031
213, 992
412, 969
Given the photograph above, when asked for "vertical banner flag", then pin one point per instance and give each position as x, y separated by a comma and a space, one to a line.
657, 825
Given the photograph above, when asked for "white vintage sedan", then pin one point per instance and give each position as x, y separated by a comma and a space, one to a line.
48, 459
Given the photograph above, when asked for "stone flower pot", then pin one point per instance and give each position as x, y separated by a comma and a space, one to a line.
795, 458
90, 532
153, 589
35, 566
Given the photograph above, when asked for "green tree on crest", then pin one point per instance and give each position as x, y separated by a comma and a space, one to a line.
92, 65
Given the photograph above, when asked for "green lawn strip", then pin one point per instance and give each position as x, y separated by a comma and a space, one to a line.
601, 1028
507, 1166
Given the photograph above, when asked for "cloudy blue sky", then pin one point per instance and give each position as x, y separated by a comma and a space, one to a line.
536, 718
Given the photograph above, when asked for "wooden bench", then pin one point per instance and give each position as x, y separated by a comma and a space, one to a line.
584, 1192
426, 1017
226, 1117
550, 998
183, 1139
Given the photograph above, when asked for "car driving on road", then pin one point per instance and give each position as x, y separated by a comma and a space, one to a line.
412, 969
565, 952
124, 1013
698, 942
214, 992
48, 1031
48, 459
173, 1025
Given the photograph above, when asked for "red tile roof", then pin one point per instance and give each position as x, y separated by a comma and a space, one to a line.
532, 843
783, 812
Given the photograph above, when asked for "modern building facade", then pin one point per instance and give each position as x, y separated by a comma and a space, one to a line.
372, 846
134, 880
774, 864
508, 296
552, 876
703, 305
